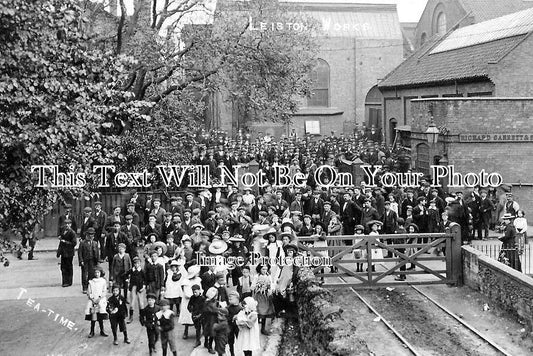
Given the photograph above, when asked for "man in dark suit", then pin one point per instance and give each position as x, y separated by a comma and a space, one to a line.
66, 216
130, 210
297, 204
327, 214
100, 219
209, 279
158, 211
390, 220
409, 201
67, 242
420, 215
88, 257
113, 239
190, 203
348, 213
257, 208
87, 222
147, 206
280, 204
485, 208
133, 235
368, 214
315, 205
152, 228
111, 219
167, 227
175, 206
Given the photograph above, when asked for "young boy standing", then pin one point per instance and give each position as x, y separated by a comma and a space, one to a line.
233, 309
136, 286
117, 310
221, 331
166, 327
149, 320
196, 307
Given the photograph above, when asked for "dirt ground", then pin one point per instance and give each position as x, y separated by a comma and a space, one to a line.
429, 329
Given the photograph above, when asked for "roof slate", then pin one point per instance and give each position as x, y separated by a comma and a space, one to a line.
459, 64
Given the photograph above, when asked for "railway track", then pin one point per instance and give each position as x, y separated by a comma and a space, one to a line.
413, 349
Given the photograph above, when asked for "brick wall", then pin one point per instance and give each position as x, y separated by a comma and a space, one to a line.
509, 289
454, 13
483, 115
397, 103
513, 75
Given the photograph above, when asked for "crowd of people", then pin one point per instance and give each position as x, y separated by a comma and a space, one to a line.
154, 246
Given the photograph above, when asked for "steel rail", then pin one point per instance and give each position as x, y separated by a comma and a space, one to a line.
391, 328
464, 323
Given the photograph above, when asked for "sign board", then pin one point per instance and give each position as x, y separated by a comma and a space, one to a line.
312, 127
496, 137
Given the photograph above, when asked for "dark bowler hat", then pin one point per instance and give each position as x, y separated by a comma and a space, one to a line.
151, 296
130, 204
91, 231
97, 203
87, 210
129, 217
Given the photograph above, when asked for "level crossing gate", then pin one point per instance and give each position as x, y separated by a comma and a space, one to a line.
406, 249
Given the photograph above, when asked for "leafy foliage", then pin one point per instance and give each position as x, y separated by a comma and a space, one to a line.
180, 65
60, 103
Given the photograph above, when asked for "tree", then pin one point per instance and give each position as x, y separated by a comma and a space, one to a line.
60, 100
181, 65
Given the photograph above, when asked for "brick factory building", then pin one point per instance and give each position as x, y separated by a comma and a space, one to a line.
362, 43
476, 84
440, 16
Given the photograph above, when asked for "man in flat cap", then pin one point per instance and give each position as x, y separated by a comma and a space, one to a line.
100, 218
133, 235
65, 250
88, 257
158, 211
130, 210
66, 216
87, 221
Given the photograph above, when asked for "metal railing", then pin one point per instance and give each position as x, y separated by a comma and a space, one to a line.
492, 249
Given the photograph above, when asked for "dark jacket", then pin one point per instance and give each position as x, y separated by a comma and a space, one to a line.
120, 268
66, 247
117, 302
148, 317
196, 306
209, 316
88, 251
136, 278
112, 242
154, 273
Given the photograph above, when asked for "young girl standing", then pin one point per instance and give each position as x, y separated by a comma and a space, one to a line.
262, 292
248, 338
97, 303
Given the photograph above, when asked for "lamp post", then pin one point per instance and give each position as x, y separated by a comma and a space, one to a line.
432, 133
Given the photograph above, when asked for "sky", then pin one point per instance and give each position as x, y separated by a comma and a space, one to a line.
408, 10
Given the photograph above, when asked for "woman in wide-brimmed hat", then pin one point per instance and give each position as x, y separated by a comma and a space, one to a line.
263, 287
97, 303
509, 252
190, 279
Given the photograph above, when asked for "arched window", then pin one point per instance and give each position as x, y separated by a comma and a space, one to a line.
320, 85
423, 39
441, 23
